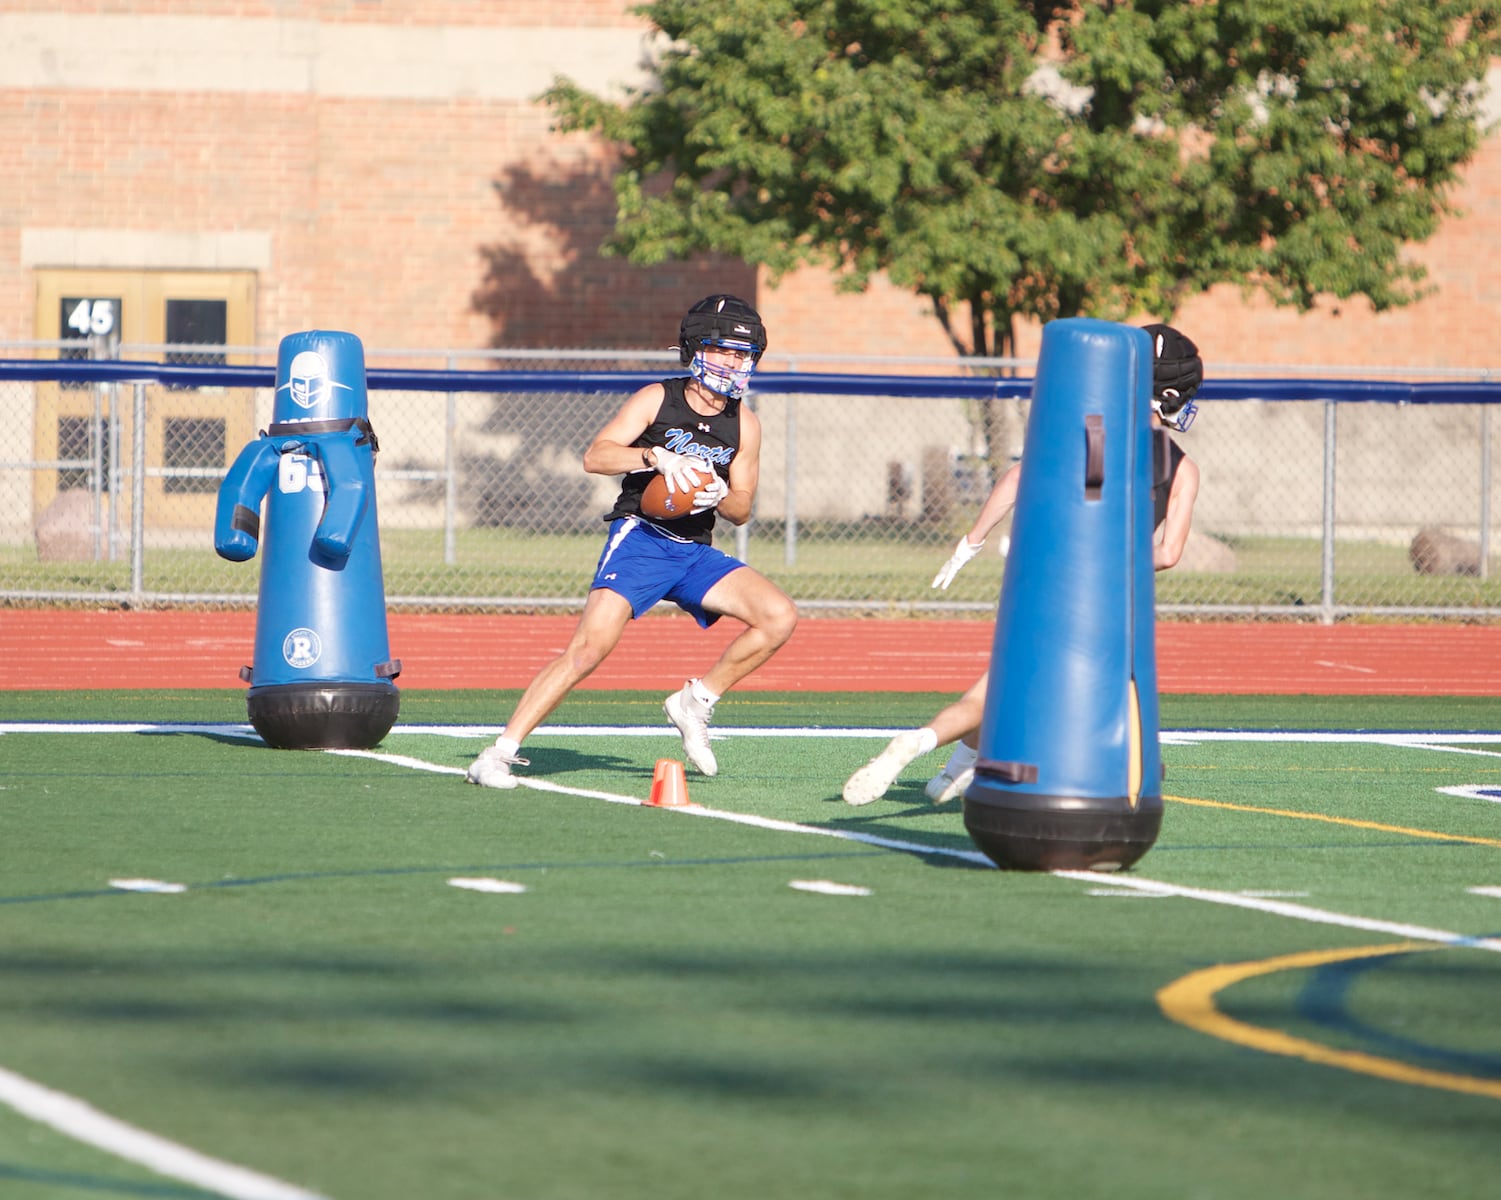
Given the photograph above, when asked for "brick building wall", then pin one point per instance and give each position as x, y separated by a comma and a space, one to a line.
382, 167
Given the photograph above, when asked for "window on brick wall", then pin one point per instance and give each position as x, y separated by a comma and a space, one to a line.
197, 323
192, 434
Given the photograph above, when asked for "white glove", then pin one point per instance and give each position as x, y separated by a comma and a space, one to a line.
963, 552
682, 470
710, 494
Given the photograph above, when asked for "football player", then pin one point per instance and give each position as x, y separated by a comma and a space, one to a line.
693, 429
1177, 372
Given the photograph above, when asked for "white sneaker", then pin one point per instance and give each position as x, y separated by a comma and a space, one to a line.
944, 787
871, 781
691, 717
493, 768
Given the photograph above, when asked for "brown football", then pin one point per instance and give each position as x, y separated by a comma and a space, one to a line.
660, 503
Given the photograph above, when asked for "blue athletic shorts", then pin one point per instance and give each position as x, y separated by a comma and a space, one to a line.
644, 565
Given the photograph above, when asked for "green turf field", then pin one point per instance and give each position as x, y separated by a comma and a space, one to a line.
1291, 996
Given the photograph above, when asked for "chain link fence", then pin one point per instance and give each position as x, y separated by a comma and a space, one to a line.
1320, 500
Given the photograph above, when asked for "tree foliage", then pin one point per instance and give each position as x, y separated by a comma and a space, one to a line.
1036, 159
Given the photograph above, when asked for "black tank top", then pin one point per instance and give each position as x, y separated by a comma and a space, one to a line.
678, 428
1167, 457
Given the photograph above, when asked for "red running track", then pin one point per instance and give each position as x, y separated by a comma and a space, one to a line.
60, 648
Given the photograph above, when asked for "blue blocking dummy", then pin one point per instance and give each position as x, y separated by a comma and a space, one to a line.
323, 673
1069, 775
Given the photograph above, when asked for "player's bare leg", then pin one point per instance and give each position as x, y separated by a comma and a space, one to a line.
964, 715
598, 632
769, 617
956, 720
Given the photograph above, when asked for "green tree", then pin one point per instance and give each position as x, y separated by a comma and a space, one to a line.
1007, 159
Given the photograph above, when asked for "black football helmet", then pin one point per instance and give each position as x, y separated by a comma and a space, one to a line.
1177, 372
725, 321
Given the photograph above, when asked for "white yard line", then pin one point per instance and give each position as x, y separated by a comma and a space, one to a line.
84, 1123
1297, 912
696, 810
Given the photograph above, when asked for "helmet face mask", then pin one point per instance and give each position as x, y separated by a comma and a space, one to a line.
726, 323
1180, 416
711, 371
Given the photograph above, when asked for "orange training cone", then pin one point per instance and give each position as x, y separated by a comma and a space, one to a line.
669, 786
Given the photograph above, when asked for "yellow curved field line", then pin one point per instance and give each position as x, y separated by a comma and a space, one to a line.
1431, 834
1190, 1001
